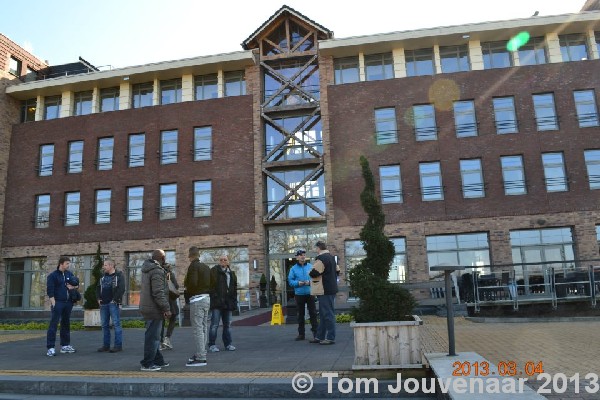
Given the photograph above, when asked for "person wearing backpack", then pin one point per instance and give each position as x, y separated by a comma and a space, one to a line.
109, 293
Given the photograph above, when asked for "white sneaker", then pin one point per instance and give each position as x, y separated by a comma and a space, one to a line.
213, 349
230, 348
67, 349
51, 352
167, 343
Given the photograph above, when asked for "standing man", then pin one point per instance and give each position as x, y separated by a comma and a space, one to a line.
325, 271
223, 300
165, 340
299, 279
109, 293
154, 307
197, 286
57, 288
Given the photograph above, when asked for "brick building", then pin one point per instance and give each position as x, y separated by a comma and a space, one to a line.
484, 156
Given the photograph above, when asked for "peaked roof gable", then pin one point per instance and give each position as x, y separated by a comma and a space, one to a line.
249, 43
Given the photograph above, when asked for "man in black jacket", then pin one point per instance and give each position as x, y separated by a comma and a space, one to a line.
223, 300
109, 293
197, 286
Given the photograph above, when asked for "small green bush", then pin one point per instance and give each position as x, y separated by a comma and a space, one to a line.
75, 325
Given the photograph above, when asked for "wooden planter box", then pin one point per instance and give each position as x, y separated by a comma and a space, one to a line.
91, 318
387, 345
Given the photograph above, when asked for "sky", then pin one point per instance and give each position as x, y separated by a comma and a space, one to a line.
118, 33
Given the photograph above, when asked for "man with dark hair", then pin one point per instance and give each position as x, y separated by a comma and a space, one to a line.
57, 287
324, 284
299, 279
223, 300
109, 292
197, 285
154, 307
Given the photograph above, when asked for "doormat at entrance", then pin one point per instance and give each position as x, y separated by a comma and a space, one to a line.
255, 320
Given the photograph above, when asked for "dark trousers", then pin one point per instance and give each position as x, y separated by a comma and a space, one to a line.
61, 311
171, 321
308, 300
152, 354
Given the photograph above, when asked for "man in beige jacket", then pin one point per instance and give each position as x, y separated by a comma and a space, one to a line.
324, 285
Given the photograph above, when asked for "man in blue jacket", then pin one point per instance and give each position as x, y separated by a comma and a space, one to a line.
58, 285
299, 279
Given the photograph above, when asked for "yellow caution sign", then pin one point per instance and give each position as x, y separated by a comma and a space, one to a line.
276, 315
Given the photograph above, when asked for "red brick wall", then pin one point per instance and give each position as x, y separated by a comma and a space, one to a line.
231, 172
351, 115
9, 48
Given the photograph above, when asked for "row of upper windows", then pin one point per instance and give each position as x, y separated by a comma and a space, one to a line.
573, 47
136, 152
201, 205
142, 95
505, 117
473, 182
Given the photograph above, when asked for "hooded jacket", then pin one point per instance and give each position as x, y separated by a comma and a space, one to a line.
154, 299
116, 282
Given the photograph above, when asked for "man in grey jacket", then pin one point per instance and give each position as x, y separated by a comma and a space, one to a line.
154, 307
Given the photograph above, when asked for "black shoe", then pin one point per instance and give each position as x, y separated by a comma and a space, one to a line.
116, 349
164, 364
103, 350
299, 337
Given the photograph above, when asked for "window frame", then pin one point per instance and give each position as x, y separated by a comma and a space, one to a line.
75, 157
203, 134
167, 195
469, 129
28, 110
512, 187
545, 123
135, 214
142, 95
428, 192
513, 125
108, 94
568, 41
430, 131
72, 219
466, 170
536, 45
169, 156
489, 49
82, 103
200, 208
385, 136
231, 79
379, 66
548, 181
52, 104
43, 168
105, 163
203, 85
456, 53
173, 89
346, 67
415, 61
38, 221
590, 166
102, 216
136, 160
394, 177
584, 120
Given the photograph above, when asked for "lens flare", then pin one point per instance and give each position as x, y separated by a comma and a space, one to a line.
517, 41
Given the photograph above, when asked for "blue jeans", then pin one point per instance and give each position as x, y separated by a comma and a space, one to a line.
215, 318
108, 312
152, 354
61, 311
326, 329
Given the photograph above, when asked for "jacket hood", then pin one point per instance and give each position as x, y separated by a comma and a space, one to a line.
149, 265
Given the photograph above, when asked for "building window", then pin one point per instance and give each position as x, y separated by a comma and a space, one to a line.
26, 283
75, 163
83, 103
42, 211
535, 252
585, 104
105, 153
513, 175
28, 109
31, 75
454, 58
533, 52
305, 140
419, 62
109, 99
137, 144
495, 55
52, 107
431, 181
391, 184
424, 120
592, 162
379, 66
134, 273
142, 94
573, 47
14, 66
206, 87
386, 129
545, 112
168, 201
597, 35
354, 253
305, 191
203, 143
346, 70
72, 209
464, 118
466, 249
202, 199
472, 178
168, 147
505, 115
235, 83
170, 91
135, 203
555, 174
103, 206
46, 165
